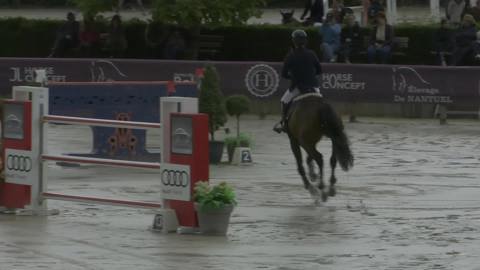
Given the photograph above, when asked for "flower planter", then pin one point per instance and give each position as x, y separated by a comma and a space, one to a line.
215, 151
214, 221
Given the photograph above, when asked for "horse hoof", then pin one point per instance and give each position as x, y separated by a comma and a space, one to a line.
321, 186
332, 192
324, 196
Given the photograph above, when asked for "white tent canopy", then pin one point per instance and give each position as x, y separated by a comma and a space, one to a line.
392, 10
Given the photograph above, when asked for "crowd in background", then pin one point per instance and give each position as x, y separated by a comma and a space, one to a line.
456, 42
85, 40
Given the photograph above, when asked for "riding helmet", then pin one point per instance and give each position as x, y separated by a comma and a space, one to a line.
299, 37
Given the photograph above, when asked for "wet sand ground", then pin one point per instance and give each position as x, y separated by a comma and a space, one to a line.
411, 202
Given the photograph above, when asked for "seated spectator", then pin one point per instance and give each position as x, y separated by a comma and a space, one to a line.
475, 11
454, 11
175, 46
67, 37
351, 38
156, 35
442, 42
116, 42
330, 32
89, 38
465, 40
373, 10
340, 11
381, 40
477, 48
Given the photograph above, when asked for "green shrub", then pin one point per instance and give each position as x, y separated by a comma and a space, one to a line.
211, 100
236, 106
241, 43
213, 197
242, 140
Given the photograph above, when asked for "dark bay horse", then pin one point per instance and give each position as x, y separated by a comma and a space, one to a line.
310, 119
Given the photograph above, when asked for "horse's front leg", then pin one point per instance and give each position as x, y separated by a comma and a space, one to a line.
298, 157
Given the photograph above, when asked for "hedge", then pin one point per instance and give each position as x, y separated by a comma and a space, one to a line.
34, 38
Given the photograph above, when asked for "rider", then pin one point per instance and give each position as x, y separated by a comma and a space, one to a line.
301, 67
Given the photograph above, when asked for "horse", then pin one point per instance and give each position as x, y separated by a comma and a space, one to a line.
311, 118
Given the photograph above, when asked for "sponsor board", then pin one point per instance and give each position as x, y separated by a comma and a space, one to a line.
175, 182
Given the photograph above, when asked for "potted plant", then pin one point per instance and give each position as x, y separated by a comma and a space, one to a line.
232, 142
211, 103
214, 206
237, 105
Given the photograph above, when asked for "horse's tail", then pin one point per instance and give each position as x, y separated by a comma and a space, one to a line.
335, 130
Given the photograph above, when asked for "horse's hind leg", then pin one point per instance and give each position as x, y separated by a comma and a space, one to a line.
333, 180
298, 157
311, 169
318, 157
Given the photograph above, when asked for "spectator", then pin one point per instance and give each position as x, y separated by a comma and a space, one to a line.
175, 46
465, 41
116, 41
477, 48
374, 8
442, 42
341, 11
156, 35
139, 2
475, 11
330, 32
67, 37
89, 38
351, 38
316, 9
381, 40
454, 11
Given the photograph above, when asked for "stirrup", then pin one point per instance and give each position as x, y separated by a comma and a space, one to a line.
279, 127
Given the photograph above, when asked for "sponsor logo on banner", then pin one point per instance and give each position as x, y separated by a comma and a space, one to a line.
105, 71
21, 167
175, 182
262, 80
409, 86
27, 74
341, 81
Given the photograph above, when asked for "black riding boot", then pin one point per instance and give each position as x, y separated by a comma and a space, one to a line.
282, 125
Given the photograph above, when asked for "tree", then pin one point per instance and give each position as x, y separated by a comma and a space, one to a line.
211, 100
90, 8
192, 13
237, 105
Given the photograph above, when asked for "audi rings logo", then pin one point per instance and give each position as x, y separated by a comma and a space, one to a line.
262, 80
19, 163
175, 178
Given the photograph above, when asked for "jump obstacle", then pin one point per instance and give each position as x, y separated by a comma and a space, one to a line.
183, 158
123, 101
